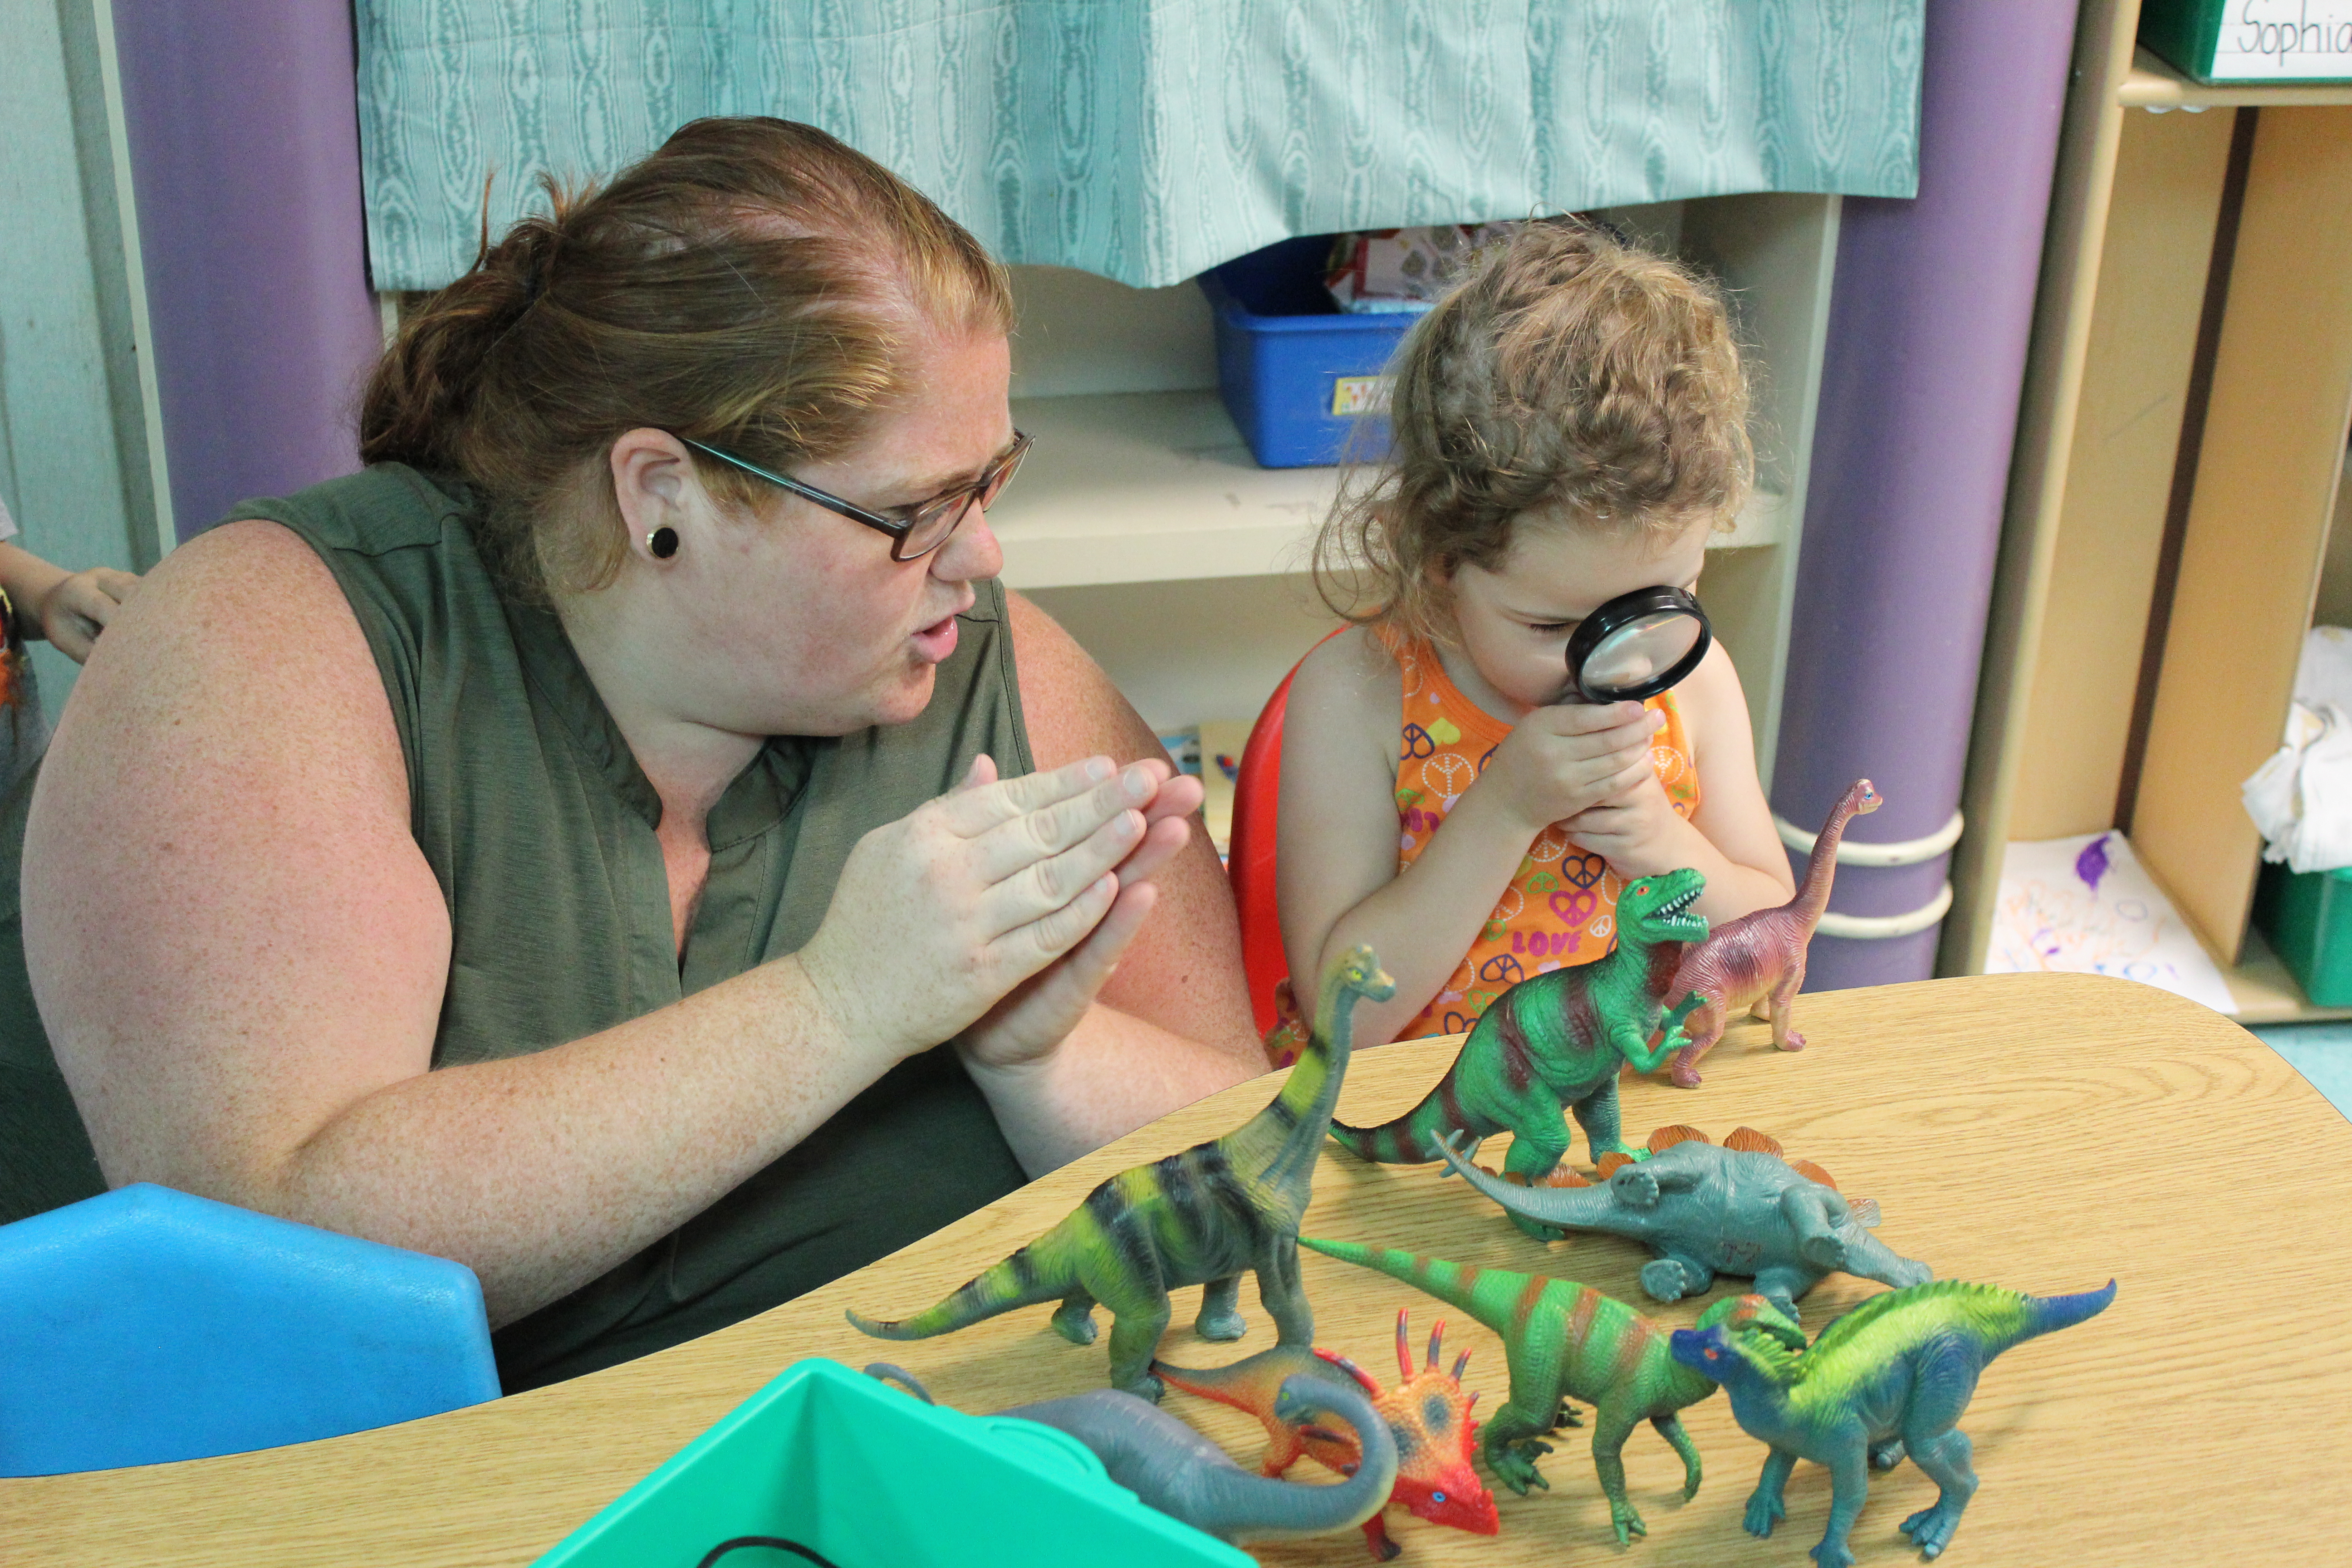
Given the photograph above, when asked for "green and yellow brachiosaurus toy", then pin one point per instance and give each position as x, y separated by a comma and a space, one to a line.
1200, 1217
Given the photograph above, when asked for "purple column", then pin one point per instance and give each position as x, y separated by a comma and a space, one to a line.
1920, 385
245, 162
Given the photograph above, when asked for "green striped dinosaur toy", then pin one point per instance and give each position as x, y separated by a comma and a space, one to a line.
1204, 1216
1901, 1365
1552, 1044
1565, 1340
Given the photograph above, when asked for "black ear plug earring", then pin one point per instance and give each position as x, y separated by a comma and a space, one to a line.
662, 541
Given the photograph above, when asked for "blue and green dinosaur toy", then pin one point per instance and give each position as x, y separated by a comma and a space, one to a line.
1901, 1365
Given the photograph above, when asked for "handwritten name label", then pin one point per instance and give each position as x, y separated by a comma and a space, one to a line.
2284, 41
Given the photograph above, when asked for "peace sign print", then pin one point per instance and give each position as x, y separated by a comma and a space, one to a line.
1448, 774
1501, 970
1584, 871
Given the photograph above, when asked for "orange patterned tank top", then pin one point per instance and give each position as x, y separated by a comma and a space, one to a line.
1560, 906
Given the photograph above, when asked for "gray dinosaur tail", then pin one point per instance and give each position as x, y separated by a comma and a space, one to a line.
887, 1372
1290, 1512
2048, 1314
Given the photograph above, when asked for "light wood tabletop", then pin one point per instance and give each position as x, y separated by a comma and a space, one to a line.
2043, 1133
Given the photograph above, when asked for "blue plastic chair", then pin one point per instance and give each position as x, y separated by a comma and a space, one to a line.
146, 1325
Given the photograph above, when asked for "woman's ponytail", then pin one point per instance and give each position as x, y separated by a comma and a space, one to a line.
418, 400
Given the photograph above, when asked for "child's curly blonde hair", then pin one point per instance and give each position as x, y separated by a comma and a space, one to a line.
1567, 374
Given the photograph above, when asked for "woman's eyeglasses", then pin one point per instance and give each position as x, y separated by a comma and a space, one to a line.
918, 530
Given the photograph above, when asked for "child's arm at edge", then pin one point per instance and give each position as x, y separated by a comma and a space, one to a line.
68, 608
28, 580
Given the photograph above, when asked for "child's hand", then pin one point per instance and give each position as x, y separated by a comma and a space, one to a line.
1636, 832
1564, 761
74, 610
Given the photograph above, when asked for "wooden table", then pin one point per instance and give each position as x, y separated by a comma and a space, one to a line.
2043, 1133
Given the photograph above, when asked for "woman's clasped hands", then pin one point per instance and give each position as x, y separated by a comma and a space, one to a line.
993, 915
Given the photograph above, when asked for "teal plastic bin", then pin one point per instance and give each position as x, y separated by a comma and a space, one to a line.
874, 1479
2307, 915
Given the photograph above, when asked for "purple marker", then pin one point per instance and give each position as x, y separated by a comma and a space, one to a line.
2092, 863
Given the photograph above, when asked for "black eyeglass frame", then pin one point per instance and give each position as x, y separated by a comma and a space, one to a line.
990, 484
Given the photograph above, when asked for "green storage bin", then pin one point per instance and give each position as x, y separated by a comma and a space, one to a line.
2241, 41
2307, 915
874, 1479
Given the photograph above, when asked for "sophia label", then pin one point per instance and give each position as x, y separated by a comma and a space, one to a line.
2283, 40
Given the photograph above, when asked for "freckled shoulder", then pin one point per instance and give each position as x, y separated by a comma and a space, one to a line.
1069, 705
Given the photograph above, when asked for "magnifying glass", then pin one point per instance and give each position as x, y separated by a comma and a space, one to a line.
1636, 645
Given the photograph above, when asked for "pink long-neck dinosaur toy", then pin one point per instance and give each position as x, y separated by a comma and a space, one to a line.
1760, 958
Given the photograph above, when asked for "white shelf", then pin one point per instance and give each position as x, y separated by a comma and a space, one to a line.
2153, 84
1153, 487
1148, 487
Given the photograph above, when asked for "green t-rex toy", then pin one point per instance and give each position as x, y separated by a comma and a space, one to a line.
1552, 1044
1204, 1216
1565, 1340
1904, 1364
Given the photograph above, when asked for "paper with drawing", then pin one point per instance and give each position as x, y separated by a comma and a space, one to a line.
2085, 906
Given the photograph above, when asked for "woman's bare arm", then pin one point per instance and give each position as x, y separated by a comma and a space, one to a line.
1172, 1023
239, 954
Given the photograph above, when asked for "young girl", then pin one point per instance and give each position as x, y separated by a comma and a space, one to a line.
1570, 425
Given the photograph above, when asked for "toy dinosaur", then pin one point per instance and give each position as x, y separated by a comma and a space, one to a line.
1427, 1413
1199, 1217
1180, 1472
1553, 1043
1704, 1211
1904, 1364
1758, 959
1565, 1340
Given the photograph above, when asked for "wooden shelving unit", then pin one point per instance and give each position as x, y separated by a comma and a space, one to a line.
2187, 402
1141, 522
2266, 993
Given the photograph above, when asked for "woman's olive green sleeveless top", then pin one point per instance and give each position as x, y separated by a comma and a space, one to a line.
539, 826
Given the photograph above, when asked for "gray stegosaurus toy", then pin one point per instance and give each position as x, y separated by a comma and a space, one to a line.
1743, 1208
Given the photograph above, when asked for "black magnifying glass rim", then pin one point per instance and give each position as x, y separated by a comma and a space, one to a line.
1616, 617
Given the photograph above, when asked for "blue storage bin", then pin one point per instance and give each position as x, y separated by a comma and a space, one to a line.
1299, 375
146, 1325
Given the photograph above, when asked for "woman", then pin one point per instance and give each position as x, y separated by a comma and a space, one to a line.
560, 847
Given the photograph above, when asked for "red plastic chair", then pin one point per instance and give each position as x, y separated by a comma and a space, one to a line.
1249, 864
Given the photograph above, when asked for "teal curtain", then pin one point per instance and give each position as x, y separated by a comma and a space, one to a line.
1148, 140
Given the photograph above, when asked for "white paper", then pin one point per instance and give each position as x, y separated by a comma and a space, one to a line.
2085, 906
2284, 41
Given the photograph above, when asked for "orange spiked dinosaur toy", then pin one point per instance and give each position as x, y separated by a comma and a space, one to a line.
1427, 1412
